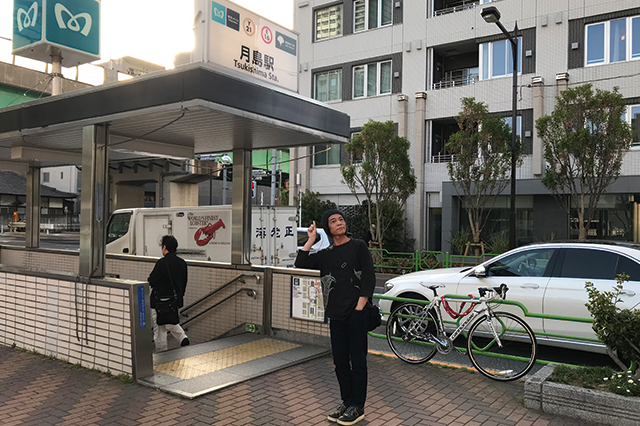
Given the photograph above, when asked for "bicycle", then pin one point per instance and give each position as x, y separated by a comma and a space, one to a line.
500, 345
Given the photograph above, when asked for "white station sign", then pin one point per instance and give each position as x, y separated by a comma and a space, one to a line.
248, 43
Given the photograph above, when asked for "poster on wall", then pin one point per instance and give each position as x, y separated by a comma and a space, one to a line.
306, 299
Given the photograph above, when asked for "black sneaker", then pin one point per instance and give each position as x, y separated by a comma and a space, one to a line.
185, 342
351, 416
333, 417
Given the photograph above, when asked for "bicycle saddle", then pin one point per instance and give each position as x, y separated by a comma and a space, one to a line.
431, 286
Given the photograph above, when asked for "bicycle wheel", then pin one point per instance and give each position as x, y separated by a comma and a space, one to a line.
516, 352
406, 333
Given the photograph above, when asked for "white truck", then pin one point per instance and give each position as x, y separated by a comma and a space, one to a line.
204, 233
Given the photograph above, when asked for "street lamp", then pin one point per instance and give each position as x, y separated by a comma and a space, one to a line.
492, 15
226, 160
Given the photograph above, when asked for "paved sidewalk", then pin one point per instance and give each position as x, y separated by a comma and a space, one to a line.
38, 391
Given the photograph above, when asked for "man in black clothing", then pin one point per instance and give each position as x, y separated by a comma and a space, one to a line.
348, 281
163, 286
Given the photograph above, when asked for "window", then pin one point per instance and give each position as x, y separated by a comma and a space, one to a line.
355, 159
369, 14
61, 175
617, 40
329, 22
589, 264
518, 124
324, 157
528, 263
496, 59
372, 79
328, 86
118, 226
628, 267
45, 177
632, 116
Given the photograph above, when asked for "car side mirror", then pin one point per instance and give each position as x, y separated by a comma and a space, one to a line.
480, 271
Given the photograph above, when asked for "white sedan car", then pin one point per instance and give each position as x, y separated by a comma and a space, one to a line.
545, 278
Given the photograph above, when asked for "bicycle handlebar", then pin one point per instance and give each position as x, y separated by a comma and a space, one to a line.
500, 291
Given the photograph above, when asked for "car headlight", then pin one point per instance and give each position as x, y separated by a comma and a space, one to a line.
388, 286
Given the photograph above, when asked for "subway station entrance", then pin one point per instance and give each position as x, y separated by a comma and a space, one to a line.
91, 309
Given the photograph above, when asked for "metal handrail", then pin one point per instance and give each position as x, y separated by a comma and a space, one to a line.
222, 287
456, 82
250, 292
464, 6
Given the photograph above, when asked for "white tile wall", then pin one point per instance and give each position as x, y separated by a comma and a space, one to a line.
49, 316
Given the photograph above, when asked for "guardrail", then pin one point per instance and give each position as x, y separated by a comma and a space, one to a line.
401, 262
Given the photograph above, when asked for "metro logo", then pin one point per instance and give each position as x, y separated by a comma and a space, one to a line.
218, 13
26, 19
72, 23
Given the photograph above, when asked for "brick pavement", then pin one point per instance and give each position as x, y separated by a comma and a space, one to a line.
36, 391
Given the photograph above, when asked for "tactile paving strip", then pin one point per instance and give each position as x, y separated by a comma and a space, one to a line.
195, 366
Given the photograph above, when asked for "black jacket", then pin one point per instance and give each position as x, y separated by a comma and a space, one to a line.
346, 273
160, 282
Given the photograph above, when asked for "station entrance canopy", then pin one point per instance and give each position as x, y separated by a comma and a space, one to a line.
191, 110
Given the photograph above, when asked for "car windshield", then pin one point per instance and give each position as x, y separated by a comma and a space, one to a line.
118, 226
526, 263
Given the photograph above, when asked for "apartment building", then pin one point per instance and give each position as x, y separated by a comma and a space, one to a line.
411, 61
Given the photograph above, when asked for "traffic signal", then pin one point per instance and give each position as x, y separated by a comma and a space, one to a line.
253, 189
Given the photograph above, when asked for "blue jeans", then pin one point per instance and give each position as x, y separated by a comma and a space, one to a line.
349, 346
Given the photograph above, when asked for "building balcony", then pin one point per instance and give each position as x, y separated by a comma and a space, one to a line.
445, 7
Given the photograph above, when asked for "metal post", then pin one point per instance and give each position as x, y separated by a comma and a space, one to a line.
95, 140
514, 127
32, 220
241, 207
491, 14
273, 177
224, 185
56, 72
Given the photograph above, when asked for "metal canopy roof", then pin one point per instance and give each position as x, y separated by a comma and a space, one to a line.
194, 109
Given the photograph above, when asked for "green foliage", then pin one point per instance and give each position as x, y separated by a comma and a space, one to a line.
584, 141
313, 208
585, 377
283, 198
600, 378
619, 329
623, 384
384, 174
499, 243
459, 240
482, 152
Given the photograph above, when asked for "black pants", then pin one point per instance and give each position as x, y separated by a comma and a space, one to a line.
349, 346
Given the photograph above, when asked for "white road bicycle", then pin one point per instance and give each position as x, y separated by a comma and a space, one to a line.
500, 345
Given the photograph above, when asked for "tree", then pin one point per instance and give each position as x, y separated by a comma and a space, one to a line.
482, 161
313, 208
584, 140
380, 167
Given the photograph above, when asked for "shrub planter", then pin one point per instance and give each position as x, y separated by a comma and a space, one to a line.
580, 403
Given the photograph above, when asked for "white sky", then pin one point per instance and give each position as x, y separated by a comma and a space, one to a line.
152, 30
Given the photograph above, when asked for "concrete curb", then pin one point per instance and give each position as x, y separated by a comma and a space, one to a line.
585, 404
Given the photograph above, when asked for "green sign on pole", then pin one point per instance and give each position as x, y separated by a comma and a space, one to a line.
73, 26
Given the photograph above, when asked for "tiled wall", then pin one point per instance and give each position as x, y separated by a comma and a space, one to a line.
203, 278
80, 323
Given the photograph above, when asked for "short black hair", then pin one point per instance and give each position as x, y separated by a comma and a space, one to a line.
170, 242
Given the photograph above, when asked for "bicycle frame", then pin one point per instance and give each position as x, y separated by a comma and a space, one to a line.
436, 304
